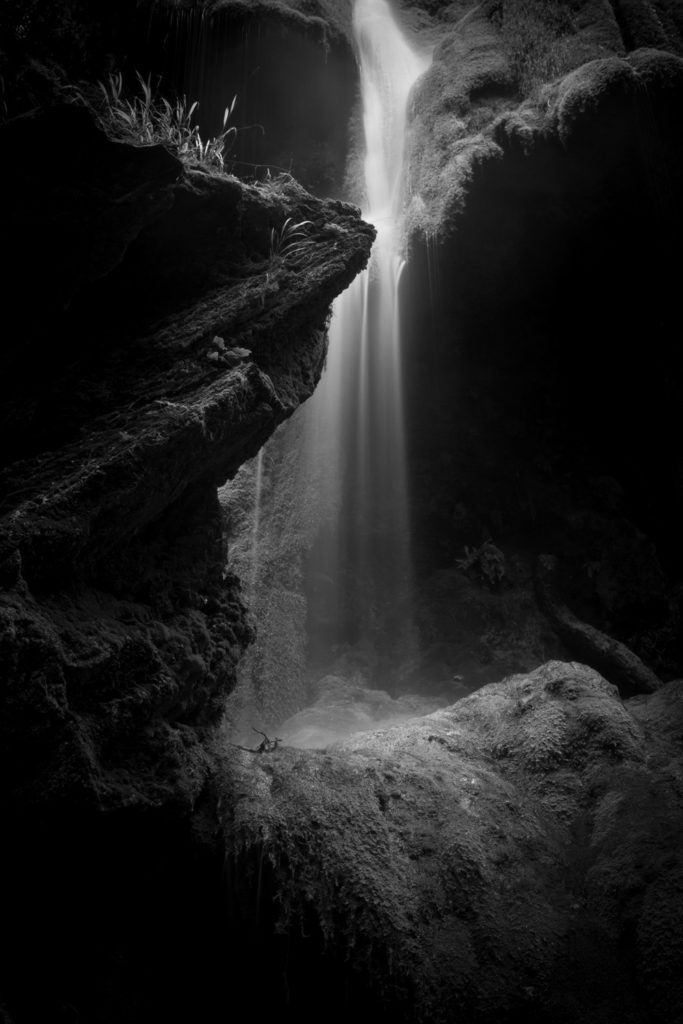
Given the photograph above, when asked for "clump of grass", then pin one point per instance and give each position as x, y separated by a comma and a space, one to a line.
290, 241
147, 119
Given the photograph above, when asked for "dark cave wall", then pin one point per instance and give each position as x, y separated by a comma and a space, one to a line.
174, 343
295, 94
167, 344
121, 917
293, 75
552, 364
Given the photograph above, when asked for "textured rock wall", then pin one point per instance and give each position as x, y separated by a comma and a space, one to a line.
157, 338
182, 343
273, 676
547, 279
297, 492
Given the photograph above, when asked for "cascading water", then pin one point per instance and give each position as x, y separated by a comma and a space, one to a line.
356, 415
255, 525
324, 547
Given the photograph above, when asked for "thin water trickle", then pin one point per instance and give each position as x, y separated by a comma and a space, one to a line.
255, 527
357, 414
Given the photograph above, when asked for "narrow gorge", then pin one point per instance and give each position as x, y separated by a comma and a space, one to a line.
341, 577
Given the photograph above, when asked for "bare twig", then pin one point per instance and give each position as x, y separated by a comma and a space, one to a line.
266, 746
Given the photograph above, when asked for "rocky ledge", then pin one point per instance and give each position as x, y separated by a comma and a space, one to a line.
165, 324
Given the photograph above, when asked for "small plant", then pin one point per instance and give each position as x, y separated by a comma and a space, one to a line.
290, 241
486, 563
147, 119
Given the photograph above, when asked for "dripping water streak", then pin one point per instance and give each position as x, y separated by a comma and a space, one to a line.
255, 527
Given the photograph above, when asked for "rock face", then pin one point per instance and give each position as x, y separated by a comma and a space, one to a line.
176, 333
550, 258
176, 330
266, 548
513, 857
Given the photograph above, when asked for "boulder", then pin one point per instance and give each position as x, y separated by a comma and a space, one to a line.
513, 857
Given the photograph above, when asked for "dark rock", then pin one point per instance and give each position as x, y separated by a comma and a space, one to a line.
616, 662
324, 16
73, 203
549, 256
596, 96
644, 23
121, 632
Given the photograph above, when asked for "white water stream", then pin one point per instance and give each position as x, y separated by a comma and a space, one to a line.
333, 484
356, 419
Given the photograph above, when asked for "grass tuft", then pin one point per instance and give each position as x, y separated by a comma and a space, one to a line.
148, 119
289, 242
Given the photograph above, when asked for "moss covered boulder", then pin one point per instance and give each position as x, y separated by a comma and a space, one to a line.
515, 856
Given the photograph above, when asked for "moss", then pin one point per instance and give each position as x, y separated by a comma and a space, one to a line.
467, 107
543, 40
460, 881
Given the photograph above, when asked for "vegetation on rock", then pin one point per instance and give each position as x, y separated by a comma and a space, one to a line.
489, 861
115, 514
148, 119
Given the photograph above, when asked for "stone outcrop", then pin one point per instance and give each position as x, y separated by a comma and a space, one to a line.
492, 861
176, 332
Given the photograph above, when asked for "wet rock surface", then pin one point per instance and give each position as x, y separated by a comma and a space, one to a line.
515, 856
344, 707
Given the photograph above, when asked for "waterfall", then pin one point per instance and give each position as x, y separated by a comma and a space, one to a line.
356, 416
255, 527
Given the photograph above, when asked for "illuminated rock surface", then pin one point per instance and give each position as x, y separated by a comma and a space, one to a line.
515, 856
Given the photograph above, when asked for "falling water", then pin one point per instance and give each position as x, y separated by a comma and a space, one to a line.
255, 526
357, 414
